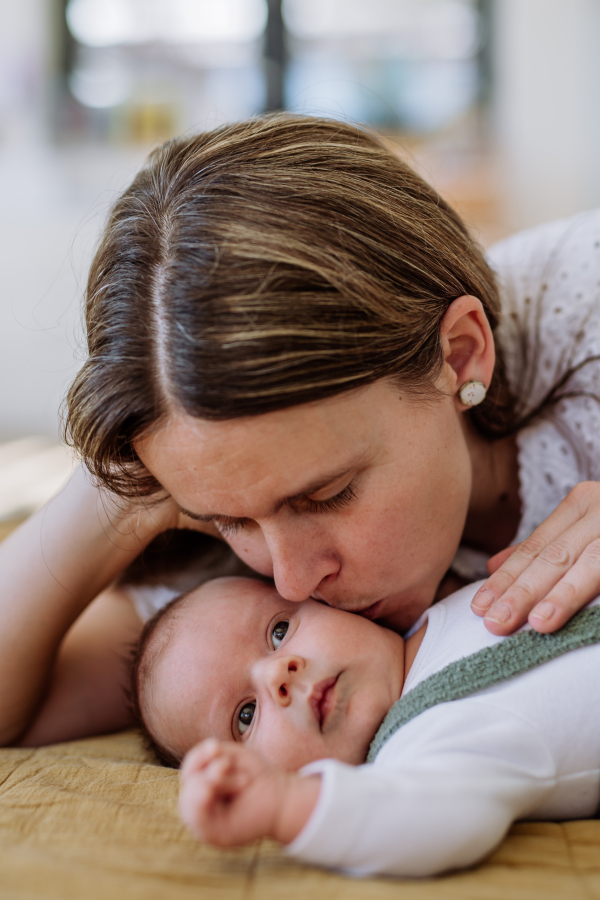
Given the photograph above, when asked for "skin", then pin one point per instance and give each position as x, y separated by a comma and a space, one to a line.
359, 500
223, 657
426, 480
57, 569
231, 795
373, 549
319, 692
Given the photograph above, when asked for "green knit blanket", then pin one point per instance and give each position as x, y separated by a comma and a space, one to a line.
513, 656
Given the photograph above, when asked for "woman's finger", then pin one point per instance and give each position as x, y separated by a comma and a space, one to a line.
494, 562
578, 586
574, 509
514, 602
564, 517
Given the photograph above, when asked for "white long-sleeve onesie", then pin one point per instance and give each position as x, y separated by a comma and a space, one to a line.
445, 788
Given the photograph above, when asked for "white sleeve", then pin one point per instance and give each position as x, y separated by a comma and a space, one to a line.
148, 599
441, 795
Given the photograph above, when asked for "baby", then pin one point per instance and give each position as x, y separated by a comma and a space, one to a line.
277, 686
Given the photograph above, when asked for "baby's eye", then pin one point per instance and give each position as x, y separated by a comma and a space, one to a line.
278, 634
245, 717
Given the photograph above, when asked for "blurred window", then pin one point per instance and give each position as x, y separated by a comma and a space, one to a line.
410, 65
143, 70
103, 23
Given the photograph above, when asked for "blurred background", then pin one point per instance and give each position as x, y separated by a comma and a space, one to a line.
494, 101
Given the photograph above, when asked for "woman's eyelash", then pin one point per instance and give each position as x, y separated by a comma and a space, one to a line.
340, 500
333, 503
231, 528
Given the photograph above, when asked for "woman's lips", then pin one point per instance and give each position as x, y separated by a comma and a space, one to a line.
373, 611
369, 612
322, 699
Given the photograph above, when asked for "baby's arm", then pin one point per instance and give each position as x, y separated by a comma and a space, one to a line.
443, 802
231, 795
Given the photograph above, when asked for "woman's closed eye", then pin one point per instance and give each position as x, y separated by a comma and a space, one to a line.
229, 528
338, 501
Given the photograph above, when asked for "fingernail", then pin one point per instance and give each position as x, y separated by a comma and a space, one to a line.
483, 599
500, 612
543, 610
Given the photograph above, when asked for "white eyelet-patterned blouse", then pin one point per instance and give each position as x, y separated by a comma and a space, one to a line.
550, 286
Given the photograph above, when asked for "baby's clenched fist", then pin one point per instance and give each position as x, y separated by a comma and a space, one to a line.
231, 795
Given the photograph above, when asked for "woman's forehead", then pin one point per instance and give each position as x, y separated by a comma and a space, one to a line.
336, 418
262, 459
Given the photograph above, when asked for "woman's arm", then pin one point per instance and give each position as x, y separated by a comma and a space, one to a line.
87, 691
51, 569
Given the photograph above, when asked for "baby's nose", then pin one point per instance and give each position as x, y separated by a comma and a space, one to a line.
282, 676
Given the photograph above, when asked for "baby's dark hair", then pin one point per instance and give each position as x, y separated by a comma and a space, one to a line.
152, 643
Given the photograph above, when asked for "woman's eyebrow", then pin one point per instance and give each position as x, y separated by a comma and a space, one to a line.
311, 488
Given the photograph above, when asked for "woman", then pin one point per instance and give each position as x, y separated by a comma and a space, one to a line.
291, 347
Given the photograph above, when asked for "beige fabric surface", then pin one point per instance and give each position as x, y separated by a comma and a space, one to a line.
97, 819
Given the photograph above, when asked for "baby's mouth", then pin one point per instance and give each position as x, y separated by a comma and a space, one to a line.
322, 699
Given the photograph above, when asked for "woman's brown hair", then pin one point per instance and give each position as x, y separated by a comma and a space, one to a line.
263, 265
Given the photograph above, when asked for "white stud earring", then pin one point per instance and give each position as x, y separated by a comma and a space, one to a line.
472, 393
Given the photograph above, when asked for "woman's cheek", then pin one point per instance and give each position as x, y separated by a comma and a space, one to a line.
250, 545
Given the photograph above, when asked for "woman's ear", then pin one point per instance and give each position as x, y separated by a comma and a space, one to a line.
467, 344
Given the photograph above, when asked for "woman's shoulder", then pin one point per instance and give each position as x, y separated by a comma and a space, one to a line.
549, 280
561, 249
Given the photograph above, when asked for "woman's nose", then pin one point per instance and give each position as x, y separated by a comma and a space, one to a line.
301, 559
281, 675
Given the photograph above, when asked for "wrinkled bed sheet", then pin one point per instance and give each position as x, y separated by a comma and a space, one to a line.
97, 819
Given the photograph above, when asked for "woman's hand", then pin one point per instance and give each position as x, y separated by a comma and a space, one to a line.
550, 576
158, 513
164, 513
231, 795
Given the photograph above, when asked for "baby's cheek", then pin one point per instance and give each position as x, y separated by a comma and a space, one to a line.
289, 748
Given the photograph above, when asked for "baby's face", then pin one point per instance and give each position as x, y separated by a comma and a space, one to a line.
296, 681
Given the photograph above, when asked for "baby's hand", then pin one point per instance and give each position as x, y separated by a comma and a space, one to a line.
231, 795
